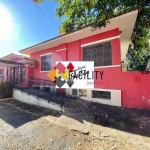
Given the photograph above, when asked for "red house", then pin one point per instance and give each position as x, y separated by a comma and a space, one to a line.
107, 47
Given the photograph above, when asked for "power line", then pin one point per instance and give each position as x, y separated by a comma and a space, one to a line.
44, 13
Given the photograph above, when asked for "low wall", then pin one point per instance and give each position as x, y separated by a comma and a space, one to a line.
24, 97
115, 99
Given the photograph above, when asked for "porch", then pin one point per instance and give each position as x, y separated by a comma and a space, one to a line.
37, 90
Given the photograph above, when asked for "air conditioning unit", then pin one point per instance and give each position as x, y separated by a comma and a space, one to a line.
33, 65
74, 92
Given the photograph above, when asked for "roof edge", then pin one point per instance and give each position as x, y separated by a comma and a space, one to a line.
86, 27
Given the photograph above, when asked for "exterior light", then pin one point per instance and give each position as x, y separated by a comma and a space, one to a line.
122, 63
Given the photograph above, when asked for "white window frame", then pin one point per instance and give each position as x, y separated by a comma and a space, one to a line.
41, 61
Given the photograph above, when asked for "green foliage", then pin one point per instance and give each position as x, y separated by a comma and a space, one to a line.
38, 1
80, 13
137, 61
6, 89
137, 56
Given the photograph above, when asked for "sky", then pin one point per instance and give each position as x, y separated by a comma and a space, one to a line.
22, 24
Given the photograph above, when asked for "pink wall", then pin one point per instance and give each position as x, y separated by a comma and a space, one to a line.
135, 89
135, 86
73, 52
56, 56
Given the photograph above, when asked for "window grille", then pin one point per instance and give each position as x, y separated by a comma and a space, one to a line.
100, 53
102, 94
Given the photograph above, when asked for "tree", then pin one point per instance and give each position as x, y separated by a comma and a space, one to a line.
96, 13
37, 1
138, 53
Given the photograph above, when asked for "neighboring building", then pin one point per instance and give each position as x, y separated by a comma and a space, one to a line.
16, 66
107, 47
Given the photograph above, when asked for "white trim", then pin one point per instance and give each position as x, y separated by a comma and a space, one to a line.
115, 96
44, 71
100, 41
64, 49
61, 37
108, 66
45, 54
26, 60
26, 65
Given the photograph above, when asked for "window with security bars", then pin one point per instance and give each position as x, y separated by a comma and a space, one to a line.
46, 63
102, 94
100, 53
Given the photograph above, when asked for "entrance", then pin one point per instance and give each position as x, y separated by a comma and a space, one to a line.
10, 74
23, 74
16, 74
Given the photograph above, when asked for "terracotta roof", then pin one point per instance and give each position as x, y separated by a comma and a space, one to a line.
8, 55
12, 54
77, 30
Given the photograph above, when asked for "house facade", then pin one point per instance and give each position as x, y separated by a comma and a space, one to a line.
107, 47
16, 68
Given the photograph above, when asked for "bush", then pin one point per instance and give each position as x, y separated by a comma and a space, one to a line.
6, 90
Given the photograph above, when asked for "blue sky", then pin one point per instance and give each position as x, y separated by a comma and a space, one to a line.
28, 25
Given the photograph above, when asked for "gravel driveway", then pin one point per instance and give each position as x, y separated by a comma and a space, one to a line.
26, 127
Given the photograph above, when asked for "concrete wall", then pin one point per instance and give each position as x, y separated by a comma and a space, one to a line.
115, 96
24, 97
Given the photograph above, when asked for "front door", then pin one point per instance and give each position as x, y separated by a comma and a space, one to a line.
23, 73
16, 75
10, 74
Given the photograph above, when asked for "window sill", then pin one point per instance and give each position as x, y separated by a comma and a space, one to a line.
103, 98
107, 66
45, 71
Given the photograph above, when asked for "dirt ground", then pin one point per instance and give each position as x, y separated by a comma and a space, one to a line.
136, 121
27, 127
